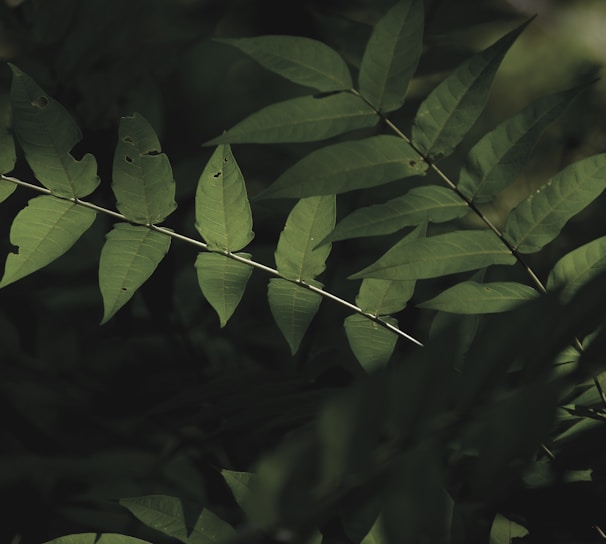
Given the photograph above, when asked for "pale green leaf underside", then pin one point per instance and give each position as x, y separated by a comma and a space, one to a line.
302, 60
347, 166
452, 108
47, 133
578, 267
499, 157
128, 258
448, 253
293, 308
503, 530
428, 203
223, 216
297, 256
43, 231
470, 297
381, 297
392, 55
165, 514
142, 176
537, 220
8, 156
302, 119
371, 343
222, 282
6, 189
97, 538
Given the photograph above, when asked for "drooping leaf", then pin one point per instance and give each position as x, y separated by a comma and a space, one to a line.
302, 119
223, 216
8, 156
293, 308
470, 297
428, 203
500, 155
6, 189
347, 166
578, 267
128, 258
448, 253
371, 343
47, 133
538, 219
142, 176
503, 530
43, 231
168, 515
392, 55
222, 281
97, 538
305, 61
297, 256
452, 108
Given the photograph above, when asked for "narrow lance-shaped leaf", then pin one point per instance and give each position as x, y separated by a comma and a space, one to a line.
453, 107
43, 231
499, 157
392, 55
8, 156
47, 133
347, 166
97, 538
302, 119
128, 258
537, 220
142, 176
302, 60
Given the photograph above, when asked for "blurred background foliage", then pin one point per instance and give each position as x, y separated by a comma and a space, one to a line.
157, 399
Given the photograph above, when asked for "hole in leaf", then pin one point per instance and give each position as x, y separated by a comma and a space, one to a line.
152, 153
128, 140
40, 102
124, 289
128, 159
217, 175
225, 159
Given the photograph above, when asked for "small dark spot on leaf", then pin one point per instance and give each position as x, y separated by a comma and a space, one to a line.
412, 163
225, 159
124, 289
128, 159
40, 102
127, 139
217, 175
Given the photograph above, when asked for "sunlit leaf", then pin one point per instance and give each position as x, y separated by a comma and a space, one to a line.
128, 258
371, 343
391, 55
302, 119
47, 133
8, 156
500, 155
223, 216
142, 176
452, 108
97, 538
537, 220
222, 281
43, 231
347, 166
302, 60
503, 530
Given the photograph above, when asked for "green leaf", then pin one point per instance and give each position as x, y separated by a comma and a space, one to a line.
381, 297
452, 108
168, 515
347, 166
47, 133
6, 189
223, 216
293, 308
97, 538
8, 156
240, 484
128, 258
448, 253
470, 297
371, 343
44, 230
142, 176
499, 157
302, 119
222, 282
302, 60
429, 203
578, 267
503, 530
376, 535
537, 220
309, 222
392, 55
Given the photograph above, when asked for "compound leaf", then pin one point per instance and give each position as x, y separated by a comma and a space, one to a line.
392, 55
538, 219
129, 257
451, 109
346, 166
222, 281
142, 176
43, 231
302, 60
371, 343
8, 156
97, 538
302, 119
223, 216
47, 133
